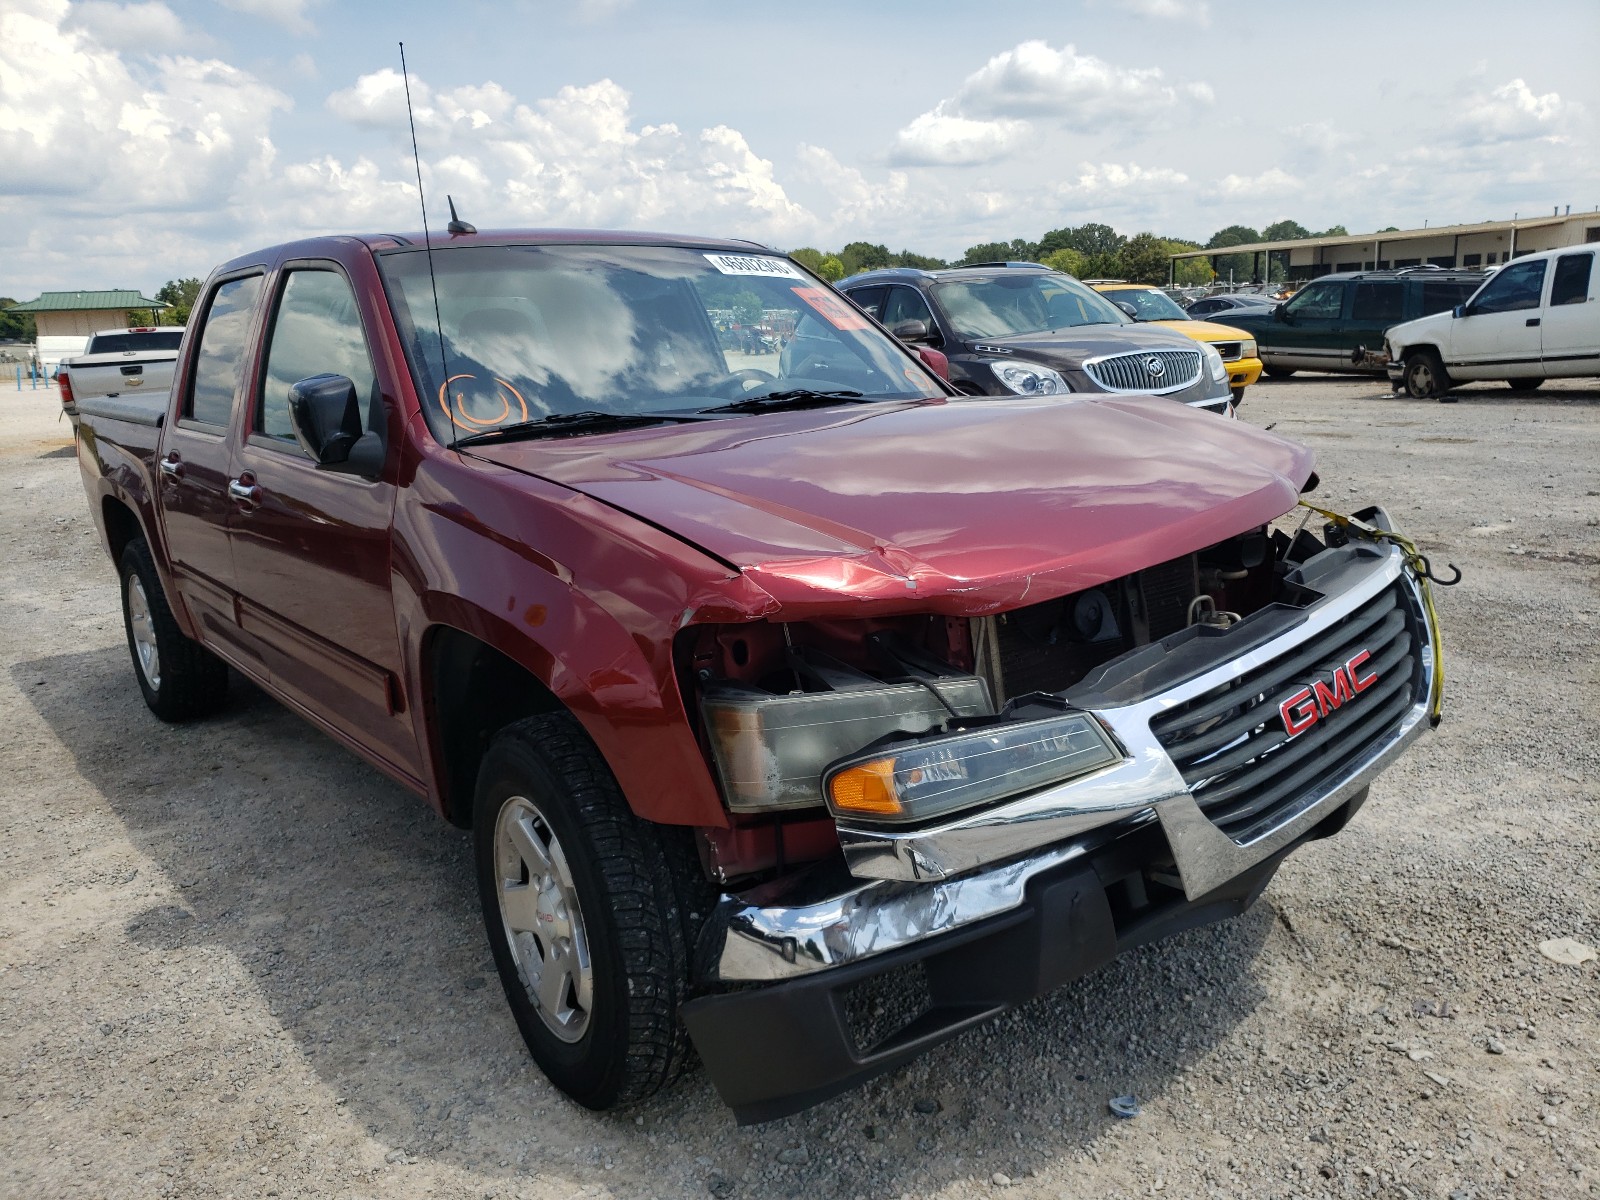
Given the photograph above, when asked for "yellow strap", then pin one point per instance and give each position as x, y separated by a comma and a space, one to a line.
1418, 565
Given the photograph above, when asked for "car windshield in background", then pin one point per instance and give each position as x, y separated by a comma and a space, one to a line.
129, 343
1150, 304
1027, 302
536, 331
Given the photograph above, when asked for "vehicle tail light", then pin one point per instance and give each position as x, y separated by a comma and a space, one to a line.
65, 385
935, 361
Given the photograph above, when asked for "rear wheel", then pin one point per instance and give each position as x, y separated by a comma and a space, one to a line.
180, 678
1524, 385
1279, 372
1425, 376
586, 912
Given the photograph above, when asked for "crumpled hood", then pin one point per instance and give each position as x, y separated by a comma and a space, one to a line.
960, 506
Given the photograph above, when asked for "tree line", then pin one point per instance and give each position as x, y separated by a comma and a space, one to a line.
1089, 251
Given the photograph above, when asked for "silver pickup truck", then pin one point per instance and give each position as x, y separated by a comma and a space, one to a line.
119, 362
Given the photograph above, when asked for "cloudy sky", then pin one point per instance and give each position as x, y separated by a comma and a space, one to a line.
141, 142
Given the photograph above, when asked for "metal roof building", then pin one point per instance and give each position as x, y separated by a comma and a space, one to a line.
1481, 245
64, 320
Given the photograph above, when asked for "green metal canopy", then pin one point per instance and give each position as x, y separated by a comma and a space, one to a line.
86, 301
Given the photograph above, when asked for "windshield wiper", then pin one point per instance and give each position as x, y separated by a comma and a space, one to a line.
557, 424
791, 398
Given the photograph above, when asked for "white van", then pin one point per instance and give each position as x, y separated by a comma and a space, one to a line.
1534, 319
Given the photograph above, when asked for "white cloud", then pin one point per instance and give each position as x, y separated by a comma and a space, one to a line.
135, 28
578, 158
1035, 79
290, 14
122, 136
1196, 12
938, 138
987, 116
1271, 184
1513, 113
598, 10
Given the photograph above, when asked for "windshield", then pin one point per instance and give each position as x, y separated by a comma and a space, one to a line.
1027, 302
1149, 304
532, 331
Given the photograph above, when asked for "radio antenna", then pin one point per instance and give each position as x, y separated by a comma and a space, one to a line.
427, 242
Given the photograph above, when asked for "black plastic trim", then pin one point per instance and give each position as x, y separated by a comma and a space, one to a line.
773, 1050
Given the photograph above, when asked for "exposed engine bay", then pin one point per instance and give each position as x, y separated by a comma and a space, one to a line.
779, 701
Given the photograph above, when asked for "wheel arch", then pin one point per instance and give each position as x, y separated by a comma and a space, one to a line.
121, 525
475, 683
471, 692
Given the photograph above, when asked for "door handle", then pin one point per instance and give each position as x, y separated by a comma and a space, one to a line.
245, 493
1532, 321
172, 467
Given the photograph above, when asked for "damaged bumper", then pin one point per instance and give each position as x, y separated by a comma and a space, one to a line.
1236, 747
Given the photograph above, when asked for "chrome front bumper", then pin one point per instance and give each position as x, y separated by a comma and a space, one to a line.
917, 885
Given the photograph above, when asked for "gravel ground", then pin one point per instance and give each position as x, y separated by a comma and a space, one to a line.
235, 961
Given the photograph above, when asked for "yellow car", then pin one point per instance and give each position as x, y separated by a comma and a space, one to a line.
1145, 303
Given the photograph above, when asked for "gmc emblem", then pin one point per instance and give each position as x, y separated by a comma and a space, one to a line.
1309, 705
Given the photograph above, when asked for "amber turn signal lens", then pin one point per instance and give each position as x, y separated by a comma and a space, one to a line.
866, 788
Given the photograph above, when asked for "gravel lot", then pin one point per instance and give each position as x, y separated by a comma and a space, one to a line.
234, 961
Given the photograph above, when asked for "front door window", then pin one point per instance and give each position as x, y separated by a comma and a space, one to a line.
1515, 288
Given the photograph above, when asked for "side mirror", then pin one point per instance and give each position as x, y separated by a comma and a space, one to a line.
911, 331
935, 361
1459, 311
1278, 314
1128, 308
327, 423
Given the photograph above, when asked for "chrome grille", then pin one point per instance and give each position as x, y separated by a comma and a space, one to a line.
1228, 350
1152, 371
1231, 744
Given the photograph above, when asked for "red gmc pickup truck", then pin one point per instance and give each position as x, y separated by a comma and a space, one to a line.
769, 679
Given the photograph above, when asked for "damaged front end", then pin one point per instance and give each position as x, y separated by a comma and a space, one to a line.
1081, 774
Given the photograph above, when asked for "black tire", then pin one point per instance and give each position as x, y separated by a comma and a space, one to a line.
1280, 372
1425, 376
637, 914
1237, 396
1524, 385
184, 681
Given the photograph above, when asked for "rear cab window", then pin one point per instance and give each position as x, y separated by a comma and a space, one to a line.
1571, 284
219, 359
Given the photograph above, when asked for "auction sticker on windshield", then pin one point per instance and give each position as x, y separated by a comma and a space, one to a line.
739, 264
835, 309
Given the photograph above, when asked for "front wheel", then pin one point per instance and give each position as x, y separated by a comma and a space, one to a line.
1280, 372
1425, 376
586, 915
1524, 385
180, 678
1238, 396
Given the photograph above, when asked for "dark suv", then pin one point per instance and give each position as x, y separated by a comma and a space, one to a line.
1324, 324
1023, 329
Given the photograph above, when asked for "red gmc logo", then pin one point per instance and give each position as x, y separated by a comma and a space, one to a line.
1309, 705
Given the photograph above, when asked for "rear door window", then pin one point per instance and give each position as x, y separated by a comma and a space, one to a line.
1444, 295
1571, 284
868, 299
1378, 303
219, 361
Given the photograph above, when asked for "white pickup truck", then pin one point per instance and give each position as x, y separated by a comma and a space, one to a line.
117, 362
